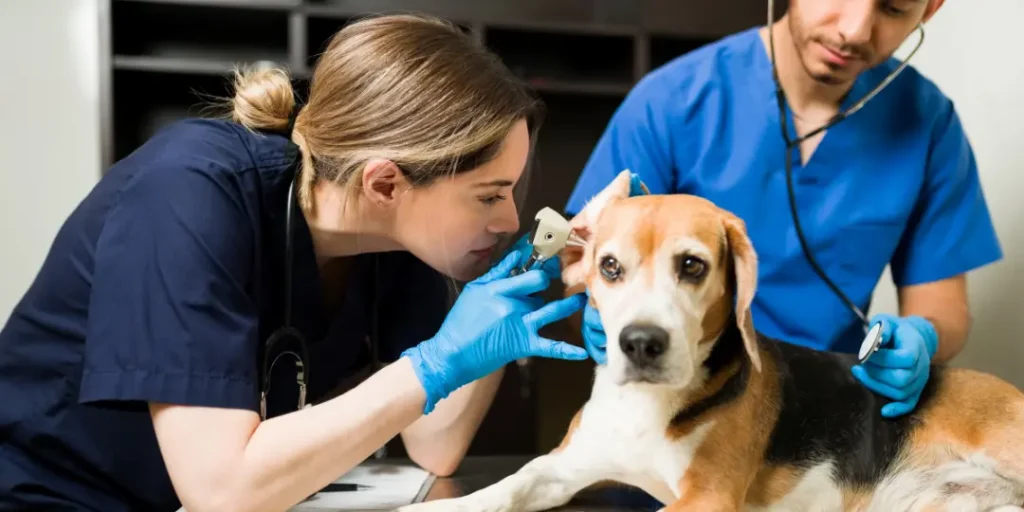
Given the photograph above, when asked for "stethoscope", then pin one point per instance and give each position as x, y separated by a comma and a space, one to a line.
873, 334
287, 334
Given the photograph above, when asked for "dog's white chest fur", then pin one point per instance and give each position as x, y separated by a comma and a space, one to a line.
624, 430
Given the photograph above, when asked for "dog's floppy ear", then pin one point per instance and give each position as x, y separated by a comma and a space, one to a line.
744, 267
575, 261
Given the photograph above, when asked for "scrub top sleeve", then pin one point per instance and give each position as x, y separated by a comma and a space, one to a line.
169, 317
639, 138
950, 230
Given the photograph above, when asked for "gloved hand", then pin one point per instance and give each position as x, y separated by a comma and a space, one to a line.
594, 338
900, 369
493, 322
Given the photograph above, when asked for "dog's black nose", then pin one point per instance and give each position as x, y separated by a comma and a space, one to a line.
643, 344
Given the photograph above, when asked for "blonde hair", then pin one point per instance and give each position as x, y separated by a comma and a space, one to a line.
411, 89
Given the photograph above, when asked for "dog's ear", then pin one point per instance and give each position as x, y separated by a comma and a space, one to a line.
575, 263
744, 267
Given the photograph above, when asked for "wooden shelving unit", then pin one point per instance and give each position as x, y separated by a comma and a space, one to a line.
164, 56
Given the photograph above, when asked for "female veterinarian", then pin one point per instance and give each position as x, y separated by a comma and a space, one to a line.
194, 276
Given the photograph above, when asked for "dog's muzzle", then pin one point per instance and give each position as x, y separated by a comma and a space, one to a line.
643, 345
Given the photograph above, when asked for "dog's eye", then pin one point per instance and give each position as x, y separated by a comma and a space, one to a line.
610, 268
691, 268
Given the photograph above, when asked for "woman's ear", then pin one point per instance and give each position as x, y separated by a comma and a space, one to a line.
382, 182
576, 260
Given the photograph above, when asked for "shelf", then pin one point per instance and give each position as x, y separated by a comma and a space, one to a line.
202, 35
188, 66
549, 57
147, 101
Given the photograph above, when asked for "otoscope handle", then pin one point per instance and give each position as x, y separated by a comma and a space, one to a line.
526, 266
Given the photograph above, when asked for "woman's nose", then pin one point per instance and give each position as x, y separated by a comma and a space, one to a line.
506, 219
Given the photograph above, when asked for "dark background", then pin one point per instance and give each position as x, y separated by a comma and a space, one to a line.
582, 55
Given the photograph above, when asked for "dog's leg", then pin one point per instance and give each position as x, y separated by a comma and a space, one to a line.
544, 483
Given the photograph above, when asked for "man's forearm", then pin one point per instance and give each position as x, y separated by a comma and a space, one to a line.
439, 441
944, 304
952, 331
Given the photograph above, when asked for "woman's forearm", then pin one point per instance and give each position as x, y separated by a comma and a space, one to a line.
439, 440
216, 464
290, 457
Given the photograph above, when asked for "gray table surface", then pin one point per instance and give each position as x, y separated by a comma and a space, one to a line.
478, 472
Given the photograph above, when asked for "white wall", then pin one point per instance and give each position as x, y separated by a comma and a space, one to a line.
970, 52
49, 128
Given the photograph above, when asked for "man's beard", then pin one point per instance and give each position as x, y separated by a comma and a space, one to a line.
801, 44
826, 78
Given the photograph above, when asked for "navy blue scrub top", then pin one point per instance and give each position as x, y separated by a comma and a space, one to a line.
894, 184
162, 286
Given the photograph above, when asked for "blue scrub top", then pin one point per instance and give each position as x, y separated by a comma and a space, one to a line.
895, 183
162, 286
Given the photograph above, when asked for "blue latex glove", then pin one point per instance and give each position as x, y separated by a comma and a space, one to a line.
493, 322
594, 338
900, 368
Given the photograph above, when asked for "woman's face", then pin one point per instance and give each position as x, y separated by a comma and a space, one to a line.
455, 224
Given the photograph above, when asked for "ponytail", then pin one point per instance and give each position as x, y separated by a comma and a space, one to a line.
265, 100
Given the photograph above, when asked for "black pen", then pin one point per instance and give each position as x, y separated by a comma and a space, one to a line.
345, 487
340, 488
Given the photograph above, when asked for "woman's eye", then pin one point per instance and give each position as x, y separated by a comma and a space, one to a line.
491, 199
691, 268
610, 268
892, 10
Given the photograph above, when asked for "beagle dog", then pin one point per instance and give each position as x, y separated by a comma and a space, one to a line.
704, 413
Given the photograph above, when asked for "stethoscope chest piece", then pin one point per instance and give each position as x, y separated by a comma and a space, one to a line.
872, 342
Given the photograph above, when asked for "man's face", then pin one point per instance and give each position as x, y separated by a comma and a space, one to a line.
838, 39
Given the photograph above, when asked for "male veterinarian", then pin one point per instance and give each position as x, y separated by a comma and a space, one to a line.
895, 183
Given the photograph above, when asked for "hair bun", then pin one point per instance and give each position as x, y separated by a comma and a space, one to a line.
264, 98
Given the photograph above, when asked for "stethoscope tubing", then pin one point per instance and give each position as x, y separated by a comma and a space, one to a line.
780, 96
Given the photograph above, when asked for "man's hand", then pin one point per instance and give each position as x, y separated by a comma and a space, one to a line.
900, 369
594, 339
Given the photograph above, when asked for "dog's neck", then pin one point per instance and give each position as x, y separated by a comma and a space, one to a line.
726, 371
